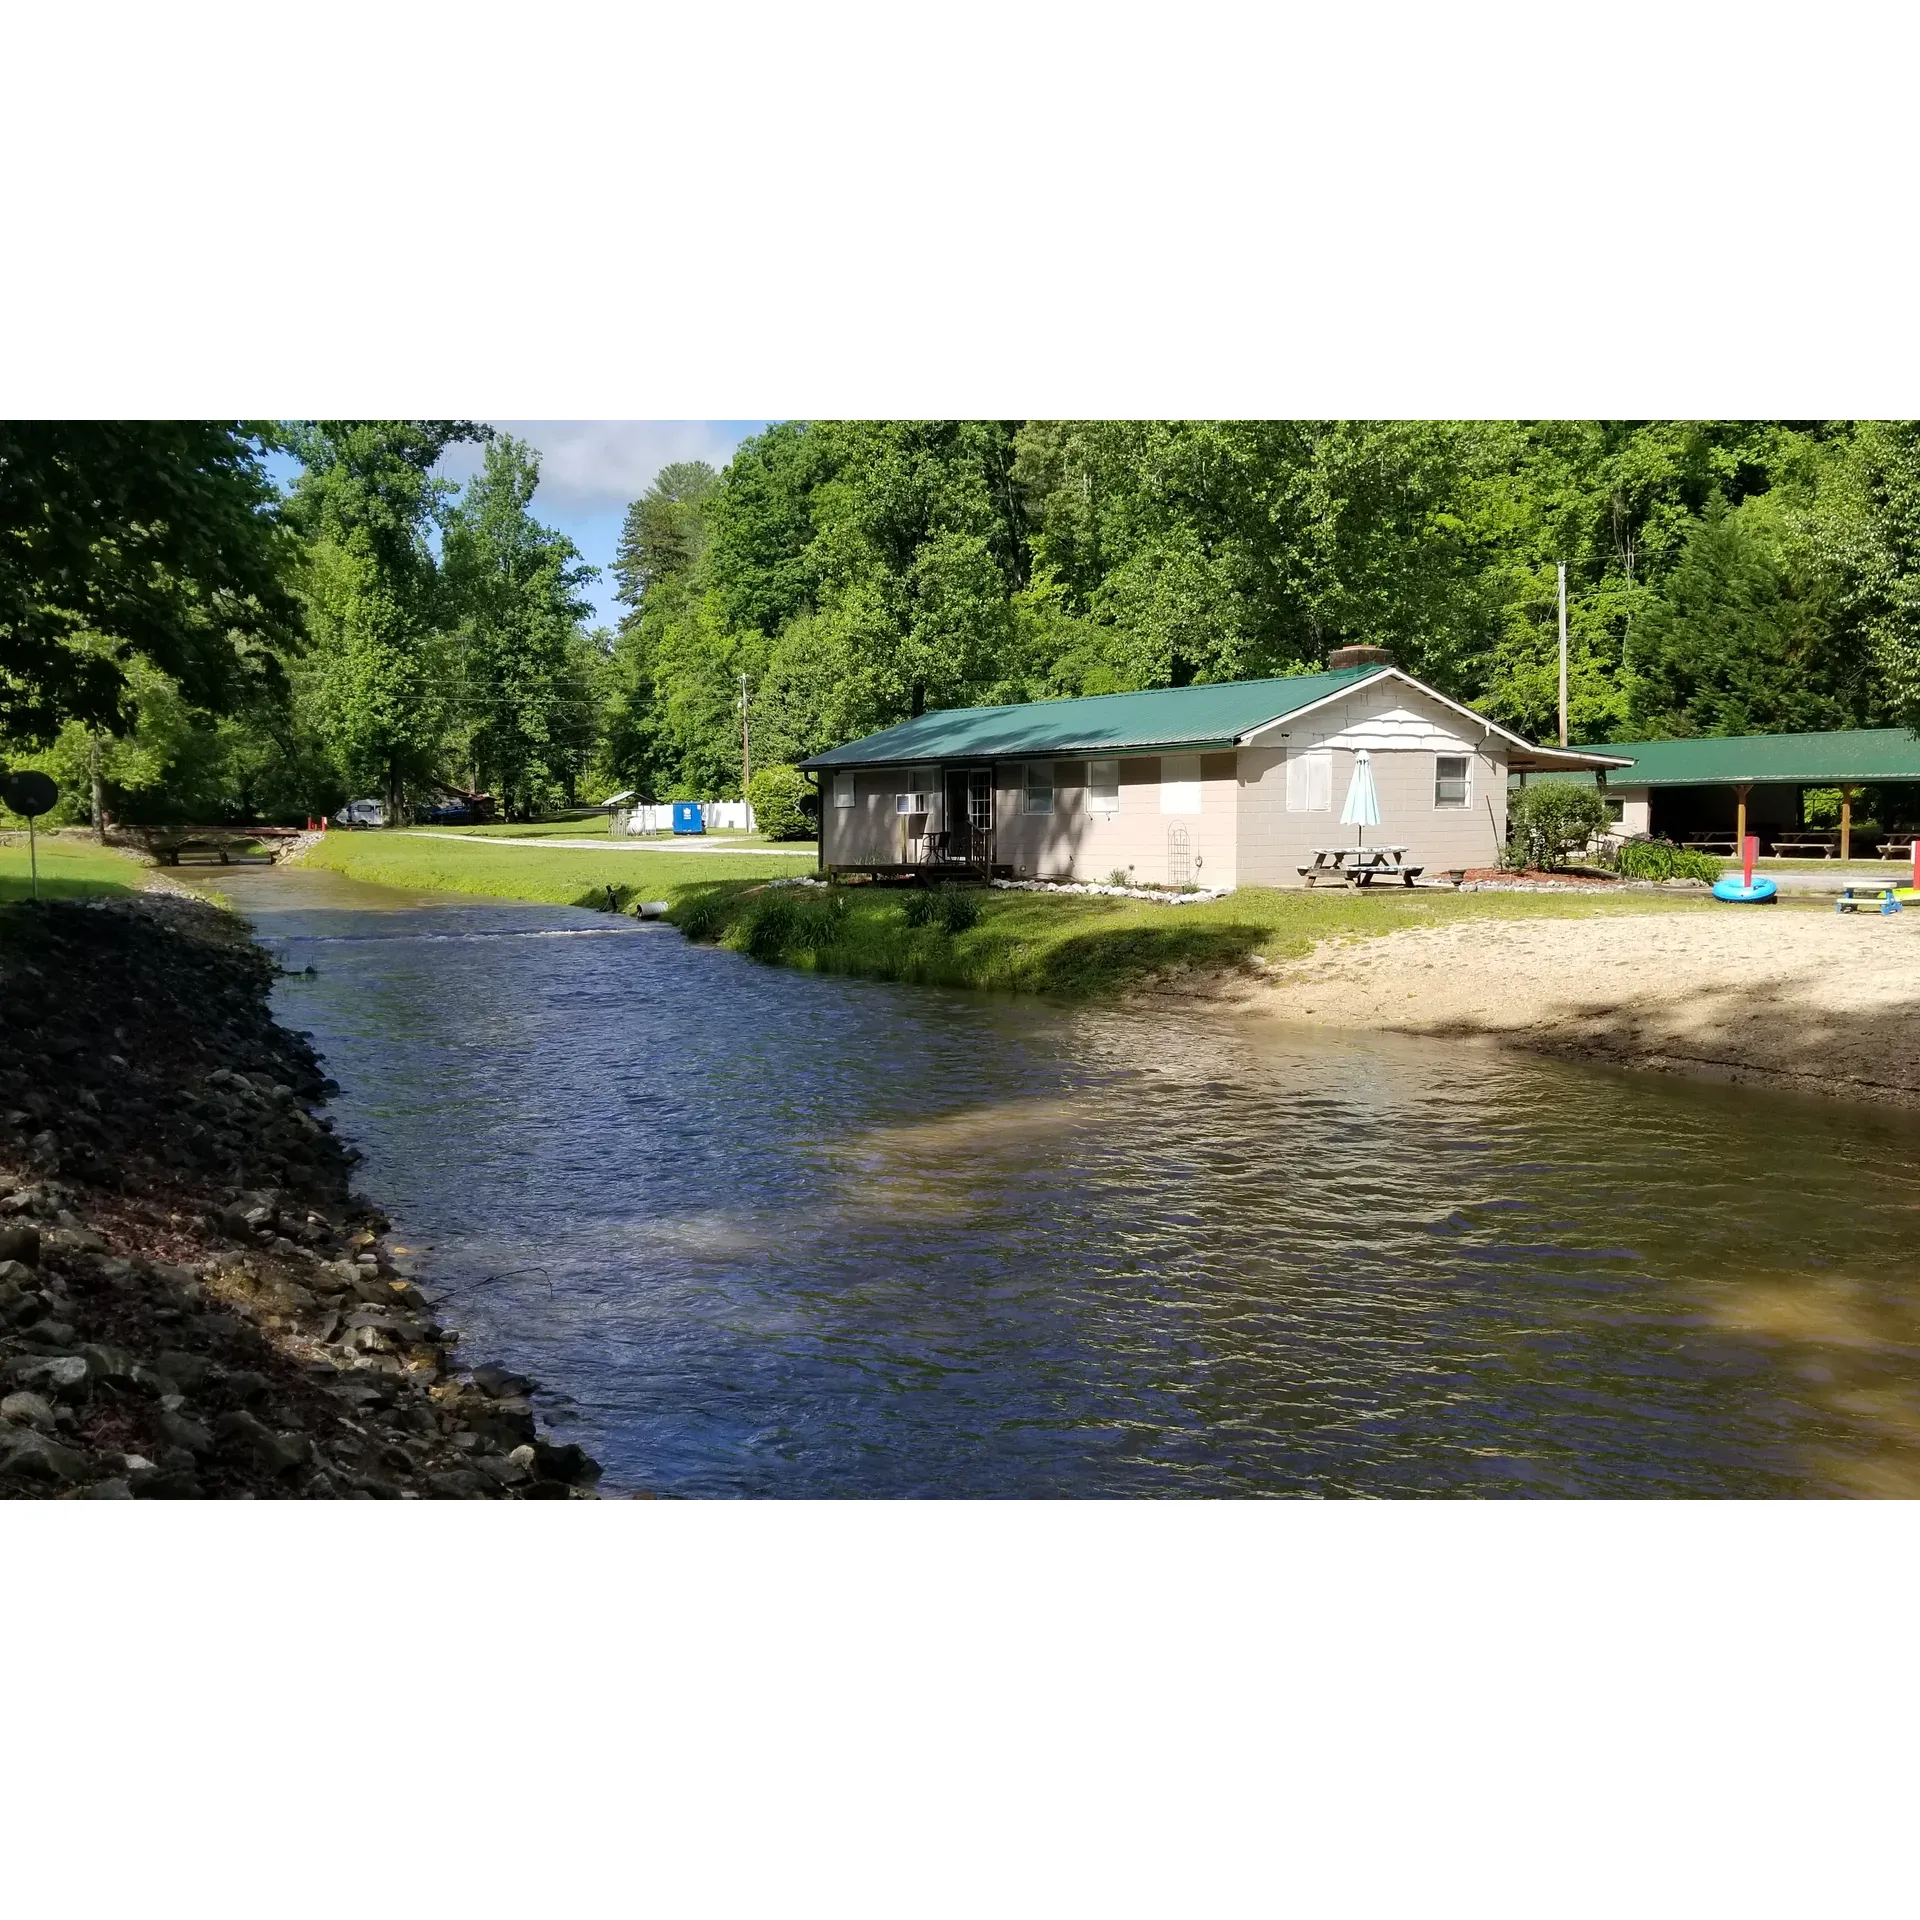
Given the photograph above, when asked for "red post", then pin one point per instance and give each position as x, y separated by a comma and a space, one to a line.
1749, 853
1916, 862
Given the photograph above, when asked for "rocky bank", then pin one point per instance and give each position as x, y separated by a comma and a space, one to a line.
192, 1302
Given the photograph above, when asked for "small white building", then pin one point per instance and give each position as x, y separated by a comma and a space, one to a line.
1238, 784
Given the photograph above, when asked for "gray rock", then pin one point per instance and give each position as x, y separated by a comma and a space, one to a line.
63, 1375
27, 1409
107, 1363
16, 1273
20, 1242
162, 1483
458, 1483
570, 1465
187, 1372
501, 1384
109, 1490
27, 1455
55, 1333
277, 1452
182, 1432
71, 1240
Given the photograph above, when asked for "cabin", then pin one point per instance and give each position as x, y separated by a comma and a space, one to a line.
1236, 784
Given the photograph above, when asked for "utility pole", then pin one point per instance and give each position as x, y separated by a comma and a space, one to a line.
1563, 653
746, 743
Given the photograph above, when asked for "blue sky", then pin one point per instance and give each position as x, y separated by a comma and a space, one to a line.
590, 470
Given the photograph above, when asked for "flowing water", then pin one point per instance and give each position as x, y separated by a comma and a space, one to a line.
759, 1233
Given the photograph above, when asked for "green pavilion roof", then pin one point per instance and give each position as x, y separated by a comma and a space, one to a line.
1186, 717
1862, 757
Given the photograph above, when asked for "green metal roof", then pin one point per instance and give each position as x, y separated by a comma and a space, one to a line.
1186, 717
1772, 759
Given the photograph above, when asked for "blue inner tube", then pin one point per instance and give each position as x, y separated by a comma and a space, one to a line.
1730, 889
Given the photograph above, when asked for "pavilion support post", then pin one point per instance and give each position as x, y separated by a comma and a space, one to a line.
1846, 822
1740, 819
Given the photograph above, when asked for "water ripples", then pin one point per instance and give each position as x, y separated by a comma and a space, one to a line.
776, 1235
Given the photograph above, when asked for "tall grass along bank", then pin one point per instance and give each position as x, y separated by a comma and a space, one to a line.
1074, 944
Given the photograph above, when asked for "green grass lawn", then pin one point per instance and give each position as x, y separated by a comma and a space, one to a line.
70, 869
594, 827
563, 876
1029, 942
1079, 944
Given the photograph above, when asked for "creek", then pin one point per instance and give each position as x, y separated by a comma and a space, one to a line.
760, 1233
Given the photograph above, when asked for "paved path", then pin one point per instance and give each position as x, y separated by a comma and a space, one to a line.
690, 843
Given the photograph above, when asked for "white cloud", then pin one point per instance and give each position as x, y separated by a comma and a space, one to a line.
597, 466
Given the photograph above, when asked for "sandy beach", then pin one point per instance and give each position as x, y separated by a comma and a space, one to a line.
1823, 1002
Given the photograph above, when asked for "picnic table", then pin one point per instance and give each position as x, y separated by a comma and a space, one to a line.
1714, 843
1360, 866
1807, 843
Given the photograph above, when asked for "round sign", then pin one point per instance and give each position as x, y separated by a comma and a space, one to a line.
28, 792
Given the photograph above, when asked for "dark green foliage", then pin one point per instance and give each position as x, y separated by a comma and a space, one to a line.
523, 724
121, 538
783, 803
705, 917
1659, 860
1742, 637
1547, 823
951, 909
782, 923
1723, 575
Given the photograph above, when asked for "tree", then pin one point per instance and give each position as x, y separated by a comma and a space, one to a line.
156, 538
665, 532
782, 803
1869, 530
513, 586
366, 502
1741, 637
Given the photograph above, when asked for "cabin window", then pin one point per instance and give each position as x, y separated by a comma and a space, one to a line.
1310, 781
1450, 779
1180, 783
1103, 786
843, 789
1037, 795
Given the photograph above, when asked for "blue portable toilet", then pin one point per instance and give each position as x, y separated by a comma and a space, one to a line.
688, 818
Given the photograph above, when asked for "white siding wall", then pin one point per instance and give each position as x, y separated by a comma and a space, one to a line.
1402, 733
1635, 811
1075, 843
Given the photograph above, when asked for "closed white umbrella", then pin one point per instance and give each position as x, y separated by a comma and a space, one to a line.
1363, 804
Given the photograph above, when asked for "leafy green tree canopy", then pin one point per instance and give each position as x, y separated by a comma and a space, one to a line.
117, 538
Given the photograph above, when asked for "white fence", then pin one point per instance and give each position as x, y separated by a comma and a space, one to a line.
716, 814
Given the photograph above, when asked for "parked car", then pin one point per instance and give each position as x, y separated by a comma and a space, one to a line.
362, 813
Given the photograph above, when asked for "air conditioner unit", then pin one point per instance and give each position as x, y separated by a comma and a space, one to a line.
912, 803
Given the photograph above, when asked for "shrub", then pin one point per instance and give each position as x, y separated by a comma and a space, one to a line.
781, 800
782, 923
703, 919
1661, 860
1547, 823
952, 909
1119, 877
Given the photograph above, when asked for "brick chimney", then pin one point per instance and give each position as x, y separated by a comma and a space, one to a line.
1358, 657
